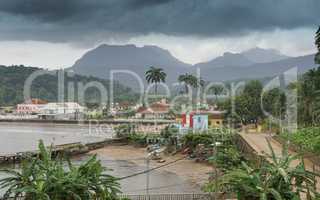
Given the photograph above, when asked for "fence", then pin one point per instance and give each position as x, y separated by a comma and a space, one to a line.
248, 151
157, 197
168, 197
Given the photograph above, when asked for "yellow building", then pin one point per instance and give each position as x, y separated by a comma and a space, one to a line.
215, 118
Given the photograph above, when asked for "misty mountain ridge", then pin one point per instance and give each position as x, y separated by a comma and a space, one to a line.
259, 55
101, 61
256, 62
226, 60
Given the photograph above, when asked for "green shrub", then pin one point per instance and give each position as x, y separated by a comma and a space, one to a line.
169, 131
45, 178
277, 179
138, 139
207, 138
123, 131
307, 139
226, 158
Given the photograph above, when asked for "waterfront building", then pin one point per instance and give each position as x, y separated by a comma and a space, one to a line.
62, 111
30, 107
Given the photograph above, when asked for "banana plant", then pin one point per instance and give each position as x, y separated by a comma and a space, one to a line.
278, 178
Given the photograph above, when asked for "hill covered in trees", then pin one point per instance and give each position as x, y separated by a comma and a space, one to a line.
12, 80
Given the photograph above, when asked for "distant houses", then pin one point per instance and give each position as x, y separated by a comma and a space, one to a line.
51, 111
30, 107
157, 110
203, 119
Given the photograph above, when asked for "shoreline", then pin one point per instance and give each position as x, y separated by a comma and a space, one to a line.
93, 121
197, 174
71, 149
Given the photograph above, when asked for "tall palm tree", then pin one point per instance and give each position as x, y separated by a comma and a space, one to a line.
155, 75
317, 58
189, 80
217, 90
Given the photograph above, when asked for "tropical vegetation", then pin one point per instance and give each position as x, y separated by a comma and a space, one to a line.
124, 130
46, 178
277, 178
217, 90
247, 103
207, 138
304, 139
190, 81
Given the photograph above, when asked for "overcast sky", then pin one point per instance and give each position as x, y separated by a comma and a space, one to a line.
54, 33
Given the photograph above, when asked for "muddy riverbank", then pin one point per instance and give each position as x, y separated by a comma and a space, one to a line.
196, 174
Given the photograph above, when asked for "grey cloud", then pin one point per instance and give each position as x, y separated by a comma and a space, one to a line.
74, 20
146, 3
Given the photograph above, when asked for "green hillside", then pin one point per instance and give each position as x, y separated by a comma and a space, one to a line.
12, 79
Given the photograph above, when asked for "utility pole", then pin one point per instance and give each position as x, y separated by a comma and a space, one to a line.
148, 176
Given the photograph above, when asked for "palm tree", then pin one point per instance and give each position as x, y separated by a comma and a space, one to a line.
317, 57
217, 90
46, 178
189, 80
155, 75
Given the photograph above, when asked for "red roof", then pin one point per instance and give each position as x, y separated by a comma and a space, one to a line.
155, 108
36, 101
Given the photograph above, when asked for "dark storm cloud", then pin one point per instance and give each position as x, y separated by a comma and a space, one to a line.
144, 3
76, 20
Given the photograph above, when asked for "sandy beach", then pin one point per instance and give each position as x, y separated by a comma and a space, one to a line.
195, 173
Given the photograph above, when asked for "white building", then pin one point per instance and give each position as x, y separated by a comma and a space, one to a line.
30, 107
62, 111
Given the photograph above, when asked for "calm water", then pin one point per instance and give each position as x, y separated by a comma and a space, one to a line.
18, 137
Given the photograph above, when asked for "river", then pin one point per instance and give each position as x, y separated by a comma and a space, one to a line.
19, 137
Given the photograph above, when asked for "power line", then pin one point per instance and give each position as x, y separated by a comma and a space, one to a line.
152, 169
159, 187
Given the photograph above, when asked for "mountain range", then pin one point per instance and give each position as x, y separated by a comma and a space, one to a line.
250, 64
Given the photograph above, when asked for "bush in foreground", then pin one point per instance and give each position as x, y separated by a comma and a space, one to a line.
275, 179
47, 178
